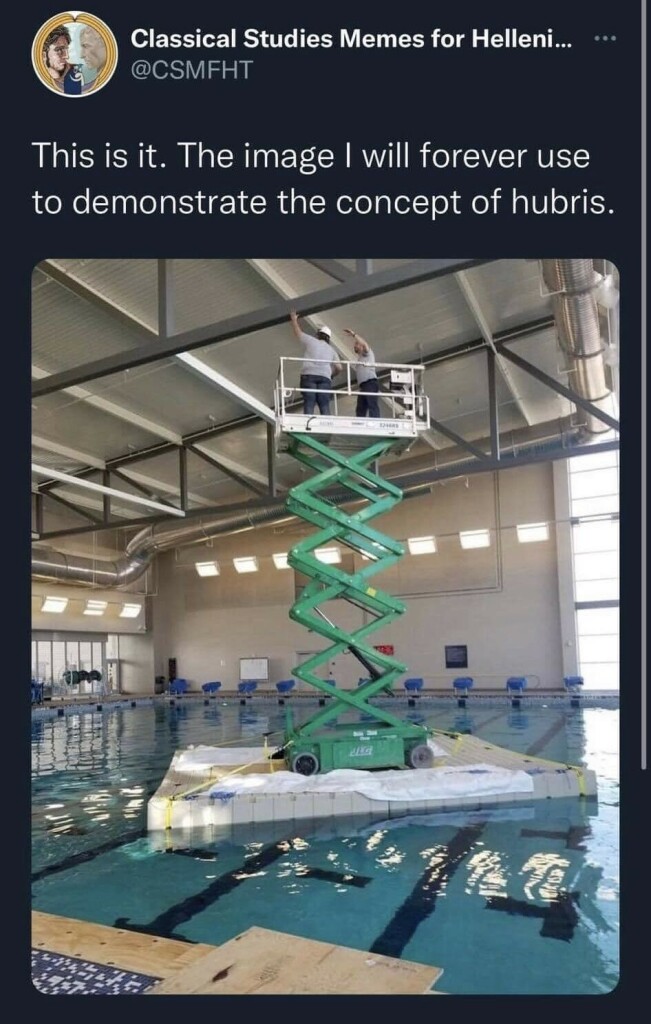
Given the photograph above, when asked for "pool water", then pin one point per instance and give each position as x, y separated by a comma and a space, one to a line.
520, 900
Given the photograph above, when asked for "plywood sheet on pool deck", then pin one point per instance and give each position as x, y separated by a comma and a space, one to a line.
265, 962
183, 799
117, 947
257, 962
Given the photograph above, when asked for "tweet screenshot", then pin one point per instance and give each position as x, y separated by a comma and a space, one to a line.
334, 326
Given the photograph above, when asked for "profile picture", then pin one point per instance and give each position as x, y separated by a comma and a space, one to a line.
74, 54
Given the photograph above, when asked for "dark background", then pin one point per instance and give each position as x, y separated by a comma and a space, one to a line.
587, 96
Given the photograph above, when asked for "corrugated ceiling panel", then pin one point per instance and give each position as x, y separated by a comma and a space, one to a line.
68, 331
78, 425
207, 291
509, 292
169, 394
130, 284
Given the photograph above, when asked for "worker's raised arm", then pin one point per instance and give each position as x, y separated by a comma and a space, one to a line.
293, 316
358, 338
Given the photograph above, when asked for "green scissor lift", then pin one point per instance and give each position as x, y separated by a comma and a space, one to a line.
323, 743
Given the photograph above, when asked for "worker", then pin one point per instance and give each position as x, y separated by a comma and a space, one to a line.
367, 382
321, 363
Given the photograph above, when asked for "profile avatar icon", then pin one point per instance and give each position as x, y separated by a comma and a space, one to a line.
74, 54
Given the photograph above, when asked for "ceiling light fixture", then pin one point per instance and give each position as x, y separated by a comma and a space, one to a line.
95, 607
54, 604
207, 568
529, 533
130, 611
329, 556
421, 545
475, 538
249, 563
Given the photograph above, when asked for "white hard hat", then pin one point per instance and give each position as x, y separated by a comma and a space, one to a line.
326, 331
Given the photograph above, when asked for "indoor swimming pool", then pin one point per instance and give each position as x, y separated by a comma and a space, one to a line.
516, 900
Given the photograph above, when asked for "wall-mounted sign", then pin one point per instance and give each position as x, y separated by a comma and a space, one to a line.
456, 656
384, 648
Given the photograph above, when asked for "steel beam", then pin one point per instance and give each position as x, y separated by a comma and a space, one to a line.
106, 500
271, 459
84, 291
456, 469
82, 513
355, 289
38, 513
332, 268
492, 405
524, 330
87, 484
544, 378
165, 299
363, 266
139, 487
183, 478
478, 315
213, 461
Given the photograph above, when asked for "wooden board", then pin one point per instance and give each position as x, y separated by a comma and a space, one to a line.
131, 951
265, 962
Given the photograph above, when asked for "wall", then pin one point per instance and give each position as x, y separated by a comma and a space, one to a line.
136, 664
503, 601
73, 617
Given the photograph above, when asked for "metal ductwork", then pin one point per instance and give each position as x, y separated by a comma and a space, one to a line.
574, 286
141, 550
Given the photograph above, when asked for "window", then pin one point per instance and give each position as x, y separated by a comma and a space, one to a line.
594, 505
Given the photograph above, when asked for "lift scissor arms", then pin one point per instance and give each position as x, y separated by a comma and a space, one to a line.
363, 660
388, 741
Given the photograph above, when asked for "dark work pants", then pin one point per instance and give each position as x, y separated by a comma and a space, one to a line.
368, 403
310, 400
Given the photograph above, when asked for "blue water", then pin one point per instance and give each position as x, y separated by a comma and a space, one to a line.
520, 900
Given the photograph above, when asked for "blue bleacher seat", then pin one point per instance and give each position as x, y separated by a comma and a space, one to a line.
572, 683
285, 685
516, 684
211, 687
178, 686
247, 687
463, 683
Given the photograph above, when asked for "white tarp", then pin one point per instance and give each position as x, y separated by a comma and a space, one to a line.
446, 781
200, 758
414, 784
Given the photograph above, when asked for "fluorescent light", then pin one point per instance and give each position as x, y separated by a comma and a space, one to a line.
95, 607
530, 532
280, 560
328, 555
130, 611
247, 564
76, 481
421, 545
54, 604
475, 538
207, 568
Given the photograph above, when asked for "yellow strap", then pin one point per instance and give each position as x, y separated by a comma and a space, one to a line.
580, 776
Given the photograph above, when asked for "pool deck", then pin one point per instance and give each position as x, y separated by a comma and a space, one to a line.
209, 796
259, 961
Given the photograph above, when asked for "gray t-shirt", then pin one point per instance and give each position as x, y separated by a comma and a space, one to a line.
315, 348
365, 367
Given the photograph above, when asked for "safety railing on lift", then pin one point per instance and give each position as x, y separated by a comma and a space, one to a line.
400, 393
